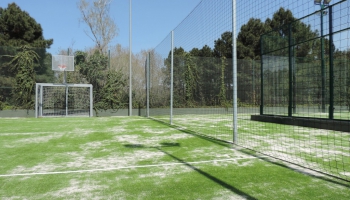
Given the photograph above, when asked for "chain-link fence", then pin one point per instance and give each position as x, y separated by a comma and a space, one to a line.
290, 100
304, 69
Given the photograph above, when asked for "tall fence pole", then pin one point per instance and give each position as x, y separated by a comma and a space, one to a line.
290, 71
234, 65
172, 77
323, 70
130, 67
331, 67
148, 82
253, 79
65, 82
261, 76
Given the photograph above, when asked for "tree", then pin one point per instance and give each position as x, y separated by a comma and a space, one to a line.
25, 78
101, 25
112, 95
223, 48
279, 19
205, 51
159, 80
208, 75
223, 45
179, 81
191, 79
222, 93
108, 86
300, 31
17, 28
119, 61
248, 39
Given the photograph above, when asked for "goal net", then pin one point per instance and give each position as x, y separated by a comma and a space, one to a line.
56, 100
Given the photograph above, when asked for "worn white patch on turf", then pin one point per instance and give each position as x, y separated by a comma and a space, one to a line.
79, 160
123, 167
228, 195
91, 145
85, 189
345, 173
112, 159
39, 139
29, 133
169, 170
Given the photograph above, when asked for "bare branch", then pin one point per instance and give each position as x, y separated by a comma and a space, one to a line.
101, 26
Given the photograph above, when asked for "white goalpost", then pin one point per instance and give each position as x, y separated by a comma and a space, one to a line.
63, 99
55, 100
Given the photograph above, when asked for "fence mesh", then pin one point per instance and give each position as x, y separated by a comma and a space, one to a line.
200, 79
159, 72
293, 85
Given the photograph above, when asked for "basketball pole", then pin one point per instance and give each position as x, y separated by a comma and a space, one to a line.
65, 72
130, 67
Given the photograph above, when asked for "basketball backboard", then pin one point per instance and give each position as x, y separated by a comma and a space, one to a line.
62, 63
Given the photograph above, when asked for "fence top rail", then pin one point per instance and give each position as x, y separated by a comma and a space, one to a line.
62, 84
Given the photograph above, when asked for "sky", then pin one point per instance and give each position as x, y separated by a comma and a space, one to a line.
152, 21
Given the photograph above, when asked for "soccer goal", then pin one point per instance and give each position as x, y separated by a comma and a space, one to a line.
55, 100
63, 99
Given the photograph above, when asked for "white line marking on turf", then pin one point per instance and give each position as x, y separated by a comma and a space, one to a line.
126, 167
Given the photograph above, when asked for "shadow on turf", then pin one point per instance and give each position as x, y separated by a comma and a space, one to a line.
207, 175
251, 152
205, 137
163, 144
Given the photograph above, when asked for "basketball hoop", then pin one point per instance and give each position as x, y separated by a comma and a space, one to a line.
62, 63
62, 67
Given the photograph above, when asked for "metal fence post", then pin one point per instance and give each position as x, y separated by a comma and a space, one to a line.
91, 101
253, 80
290, 77
130, 64
36, 100
172, 77
261, 77
323, 70
67, 92
148, 83
331, 67
234, 66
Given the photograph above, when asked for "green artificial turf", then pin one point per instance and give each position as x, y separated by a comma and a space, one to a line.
139, 158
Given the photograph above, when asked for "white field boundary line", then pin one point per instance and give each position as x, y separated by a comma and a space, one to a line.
128, 167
